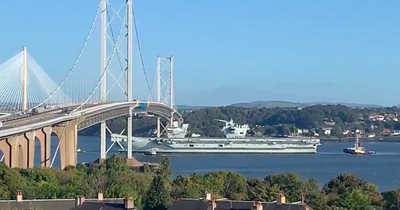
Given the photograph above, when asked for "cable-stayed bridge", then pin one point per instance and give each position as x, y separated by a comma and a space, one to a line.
101, 84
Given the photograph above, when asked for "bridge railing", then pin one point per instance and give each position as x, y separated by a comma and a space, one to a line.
15, 116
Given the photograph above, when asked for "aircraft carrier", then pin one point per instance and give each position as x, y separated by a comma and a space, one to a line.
235, 141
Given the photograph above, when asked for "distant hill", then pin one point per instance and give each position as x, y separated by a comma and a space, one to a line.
282, 104
186, 107
272, 104
267, 104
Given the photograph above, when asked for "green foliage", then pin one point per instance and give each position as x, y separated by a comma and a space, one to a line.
11, 181
345, 183
258, 190
159, 195
296, 188
157, 191
355, 199
392, 199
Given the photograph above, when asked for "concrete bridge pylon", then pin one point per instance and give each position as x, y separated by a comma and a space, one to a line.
67, 134
11, 150
44, 137
19, 151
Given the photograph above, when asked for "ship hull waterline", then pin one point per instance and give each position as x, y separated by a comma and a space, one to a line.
151, 147
284, 152
214, 146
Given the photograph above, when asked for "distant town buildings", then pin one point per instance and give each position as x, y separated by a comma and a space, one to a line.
373, 130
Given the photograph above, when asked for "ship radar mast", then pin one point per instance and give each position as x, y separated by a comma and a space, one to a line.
358, 143
233, 130
227, 123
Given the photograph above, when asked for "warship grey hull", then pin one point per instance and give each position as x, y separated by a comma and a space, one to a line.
215, 146
158, 150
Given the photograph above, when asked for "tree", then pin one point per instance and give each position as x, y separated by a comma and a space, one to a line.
270, 130
258, 190
337, 131
234, 186
295, 188
392, 199
119, 176
213, 182
11, 181
159, 195
355, 200
191, 186
344, 183
283, 129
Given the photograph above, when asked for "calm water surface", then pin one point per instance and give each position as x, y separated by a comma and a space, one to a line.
381, 169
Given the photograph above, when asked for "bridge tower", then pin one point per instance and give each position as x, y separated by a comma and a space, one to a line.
165, 88
24, 82
108, 15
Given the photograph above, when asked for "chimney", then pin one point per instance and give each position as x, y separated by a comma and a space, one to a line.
100, 195
19, 196
129, 204
77, 201
207, 196
257, 206
281, 198
211, 205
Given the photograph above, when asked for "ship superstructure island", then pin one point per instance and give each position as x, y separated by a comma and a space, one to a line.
235, 141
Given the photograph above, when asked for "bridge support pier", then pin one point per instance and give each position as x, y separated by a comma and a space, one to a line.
131, 161
68, 136
12, 151
44, 136
27, 144
103, 142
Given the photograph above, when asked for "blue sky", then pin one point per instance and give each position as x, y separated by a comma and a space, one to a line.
235, 51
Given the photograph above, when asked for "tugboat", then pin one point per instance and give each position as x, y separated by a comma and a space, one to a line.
358, 149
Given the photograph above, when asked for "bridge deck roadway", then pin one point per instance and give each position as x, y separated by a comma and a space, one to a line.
30, 120
22, 121
22, 125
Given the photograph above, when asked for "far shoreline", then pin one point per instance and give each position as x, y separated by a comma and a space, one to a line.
395, 139
374, 140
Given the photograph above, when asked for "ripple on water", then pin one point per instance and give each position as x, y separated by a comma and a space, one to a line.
380, 169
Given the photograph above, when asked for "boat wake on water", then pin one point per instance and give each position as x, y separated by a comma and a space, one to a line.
330, 153
387, 154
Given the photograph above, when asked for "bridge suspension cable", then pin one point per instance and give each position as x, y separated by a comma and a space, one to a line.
76, 61
115, 76
80, 85
39, 86
141, 55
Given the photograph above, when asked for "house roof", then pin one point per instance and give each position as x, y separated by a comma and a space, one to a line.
101, 205
62, 204
40, 204
199, 204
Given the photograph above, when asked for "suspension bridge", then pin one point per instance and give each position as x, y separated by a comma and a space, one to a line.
34, 105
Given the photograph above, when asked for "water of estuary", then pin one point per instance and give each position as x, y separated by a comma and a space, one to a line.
382, 169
